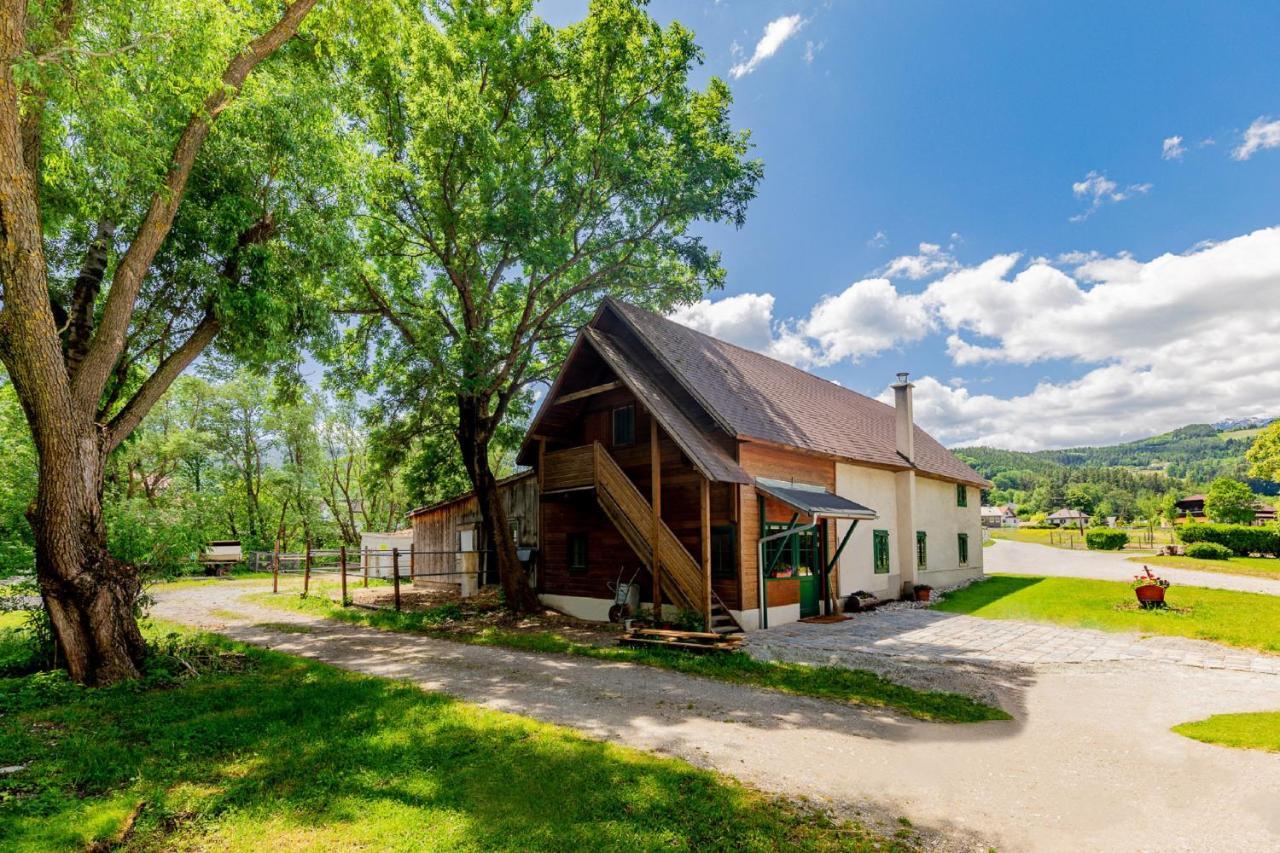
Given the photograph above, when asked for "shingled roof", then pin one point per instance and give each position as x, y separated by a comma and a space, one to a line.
753, 396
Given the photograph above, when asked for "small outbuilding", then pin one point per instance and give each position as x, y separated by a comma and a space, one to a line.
377, 552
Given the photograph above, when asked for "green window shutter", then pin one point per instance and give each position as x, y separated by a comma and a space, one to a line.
962, 495
963, 541
922, 550
880, 552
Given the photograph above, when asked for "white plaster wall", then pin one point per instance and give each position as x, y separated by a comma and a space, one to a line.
877, 490
939, 517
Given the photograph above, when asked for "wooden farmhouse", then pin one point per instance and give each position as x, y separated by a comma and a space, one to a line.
731, 485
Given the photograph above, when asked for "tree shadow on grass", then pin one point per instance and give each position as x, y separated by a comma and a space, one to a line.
294, 754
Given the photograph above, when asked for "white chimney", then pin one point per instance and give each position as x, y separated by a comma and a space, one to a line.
906, 422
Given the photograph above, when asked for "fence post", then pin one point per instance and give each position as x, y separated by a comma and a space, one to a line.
364, 562
342, 567
395, 575
306, 571
275, 568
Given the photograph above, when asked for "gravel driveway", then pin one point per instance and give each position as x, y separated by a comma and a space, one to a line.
1089, 762
1028, 558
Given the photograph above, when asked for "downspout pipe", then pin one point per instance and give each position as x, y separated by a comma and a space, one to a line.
781, 534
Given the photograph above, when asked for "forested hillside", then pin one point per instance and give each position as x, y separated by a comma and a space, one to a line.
1114, 480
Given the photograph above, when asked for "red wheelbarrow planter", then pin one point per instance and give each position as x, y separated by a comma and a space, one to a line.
1150, 589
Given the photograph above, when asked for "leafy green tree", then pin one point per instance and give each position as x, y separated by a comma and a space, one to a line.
1264, 454
1229, 501
111, 285
517, 173
17, 486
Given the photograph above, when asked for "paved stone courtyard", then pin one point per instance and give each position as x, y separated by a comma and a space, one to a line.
933, 635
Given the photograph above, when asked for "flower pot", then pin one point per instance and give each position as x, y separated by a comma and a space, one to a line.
1150, 595
923, 594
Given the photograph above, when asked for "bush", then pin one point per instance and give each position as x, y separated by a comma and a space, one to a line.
1208, 551
1241, 539
1105, 539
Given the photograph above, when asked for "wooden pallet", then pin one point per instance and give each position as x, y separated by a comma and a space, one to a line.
693, 641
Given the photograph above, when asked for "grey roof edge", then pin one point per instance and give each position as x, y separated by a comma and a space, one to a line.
734, 472
619, 310
831, 505
656, 352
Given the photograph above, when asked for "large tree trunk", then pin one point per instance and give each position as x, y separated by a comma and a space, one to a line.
475, 429
89, 594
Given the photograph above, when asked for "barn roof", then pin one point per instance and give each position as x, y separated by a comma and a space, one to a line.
753, 396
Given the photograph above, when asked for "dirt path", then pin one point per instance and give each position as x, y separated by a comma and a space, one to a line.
1089, 763
1028, 558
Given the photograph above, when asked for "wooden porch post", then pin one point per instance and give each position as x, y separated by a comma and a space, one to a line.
704, 487
655, 473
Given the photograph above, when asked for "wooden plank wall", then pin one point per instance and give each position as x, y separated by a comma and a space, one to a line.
775, 463
435, 533
681, 508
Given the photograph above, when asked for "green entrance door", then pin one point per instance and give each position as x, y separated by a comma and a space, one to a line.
808, 596
795, 556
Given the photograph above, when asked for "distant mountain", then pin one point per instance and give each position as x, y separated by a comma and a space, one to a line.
1192, 455
1243, 423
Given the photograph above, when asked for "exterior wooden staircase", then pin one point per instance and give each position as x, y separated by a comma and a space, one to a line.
684, 581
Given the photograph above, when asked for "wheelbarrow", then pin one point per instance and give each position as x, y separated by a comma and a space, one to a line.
621, 609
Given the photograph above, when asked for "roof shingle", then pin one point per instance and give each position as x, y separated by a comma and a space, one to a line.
754, 396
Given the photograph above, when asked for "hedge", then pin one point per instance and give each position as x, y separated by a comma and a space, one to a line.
1105, 539
1240, 538
1208, 551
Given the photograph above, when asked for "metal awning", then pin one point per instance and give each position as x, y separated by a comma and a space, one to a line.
814, 501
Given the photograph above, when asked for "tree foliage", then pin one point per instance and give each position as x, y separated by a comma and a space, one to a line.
1229, 502
516, 173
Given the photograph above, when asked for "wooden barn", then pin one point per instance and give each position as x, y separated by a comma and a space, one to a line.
448, 542
738, 487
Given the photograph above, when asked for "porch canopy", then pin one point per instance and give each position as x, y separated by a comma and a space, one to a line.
812, 501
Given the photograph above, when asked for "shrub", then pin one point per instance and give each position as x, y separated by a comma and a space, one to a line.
1241, 539
1208, 551
1105, 539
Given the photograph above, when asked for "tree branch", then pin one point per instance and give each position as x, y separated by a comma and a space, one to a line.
108, 342
85, 295
157, 383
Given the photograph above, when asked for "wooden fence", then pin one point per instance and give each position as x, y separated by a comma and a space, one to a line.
339, 562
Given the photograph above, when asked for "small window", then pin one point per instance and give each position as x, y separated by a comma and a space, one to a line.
624, 426
962, 540
922, 550
724, 563
577, 553
880, 551
962, 495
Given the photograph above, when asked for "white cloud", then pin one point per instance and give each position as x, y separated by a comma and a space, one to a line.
1182, 338
1171, 148
776, 33
878, 240
931, 260
1148, 345
812, 49
870, 316
1263, 133
1098, 189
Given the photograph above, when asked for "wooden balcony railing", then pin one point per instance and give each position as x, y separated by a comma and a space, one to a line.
569, 469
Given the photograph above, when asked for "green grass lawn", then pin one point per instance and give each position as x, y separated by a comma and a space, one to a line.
1244, 619
287, 754
827, 682
1259, 730
1259, 567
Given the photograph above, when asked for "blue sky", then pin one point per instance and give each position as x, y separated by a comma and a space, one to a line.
953, 137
